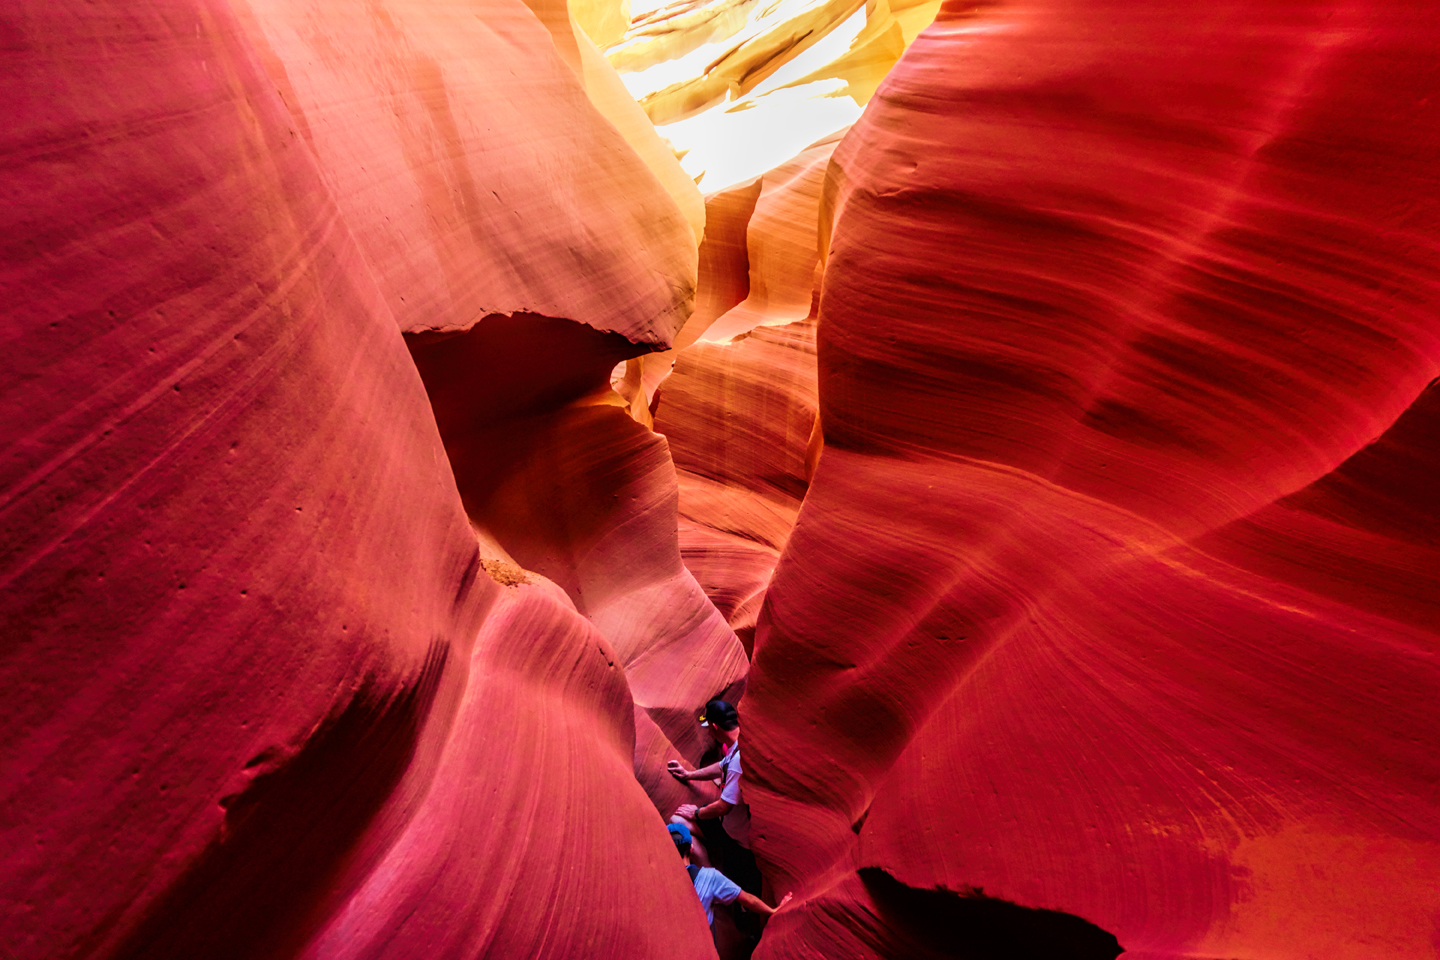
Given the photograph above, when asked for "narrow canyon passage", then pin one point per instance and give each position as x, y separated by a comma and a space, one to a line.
418, 413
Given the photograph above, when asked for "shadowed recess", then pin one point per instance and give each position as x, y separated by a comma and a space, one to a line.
973, 926
255, 890
507, 366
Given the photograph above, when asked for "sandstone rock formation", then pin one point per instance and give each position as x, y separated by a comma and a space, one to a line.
398, 450
261, 667
472, 167
739, 87
740, 407
1114, 591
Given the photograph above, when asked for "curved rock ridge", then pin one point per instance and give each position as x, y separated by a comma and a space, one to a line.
579, 492
242, 595
723, 280
587, 497
742, 417
759, 266
782, 246
473, 169
1103, 597
508, 853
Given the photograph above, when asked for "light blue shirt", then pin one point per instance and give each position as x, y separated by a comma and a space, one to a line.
712, 886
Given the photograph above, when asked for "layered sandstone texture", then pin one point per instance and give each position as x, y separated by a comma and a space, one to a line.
1061, 440
1116, 590
738, 400
472, 167
275, 683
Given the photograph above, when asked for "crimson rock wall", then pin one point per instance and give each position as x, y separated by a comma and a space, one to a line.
262, 673
1105, 598
1111, 603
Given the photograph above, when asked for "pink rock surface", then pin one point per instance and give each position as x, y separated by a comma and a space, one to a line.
587, 497
1098, 600
509, 852
473, 169
219, 702
1113, 596
241, 592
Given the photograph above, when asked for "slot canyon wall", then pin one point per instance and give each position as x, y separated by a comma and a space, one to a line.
399, 449
1116, 590
275, 683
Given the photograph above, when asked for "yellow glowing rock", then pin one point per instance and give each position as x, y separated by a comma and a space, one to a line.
871, 55
738, 87
609, 96
604, 21
676, 30
782, 248
914, 16
772, 40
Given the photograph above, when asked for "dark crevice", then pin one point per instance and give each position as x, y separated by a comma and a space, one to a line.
506, 367
972, 926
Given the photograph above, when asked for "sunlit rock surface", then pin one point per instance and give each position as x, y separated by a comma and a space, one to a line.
740, 86
472, 167
1104, 596
575, 28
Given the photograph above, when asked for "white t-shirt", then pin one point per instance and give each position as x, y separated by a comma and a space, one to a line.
737, 821
712, 887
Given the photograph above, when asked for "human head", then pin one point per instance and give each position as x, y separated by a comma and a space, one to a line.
720, 716
680, 834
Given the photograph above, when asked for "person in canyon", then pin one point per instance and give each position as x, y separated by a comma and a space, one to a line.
722, 722
712, 886
724, 823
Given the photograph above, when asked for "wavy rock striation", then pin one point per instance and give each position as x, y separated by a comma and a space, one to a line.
269, 691
1105, 597
473, 169
740, 408
519, 308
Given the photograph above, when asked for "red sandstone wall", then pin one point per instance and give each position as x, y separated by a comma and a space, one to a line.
472, 168
742, 416
1100, 598
262, 674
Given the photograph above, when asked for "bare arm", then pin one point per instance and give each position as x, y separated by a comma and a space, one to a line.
678, 771
755, 905
708, 812
712, 810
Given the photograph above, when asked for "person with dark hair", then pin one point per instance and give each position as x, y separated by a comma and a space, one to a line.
712, 886
725, 822
722, 722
